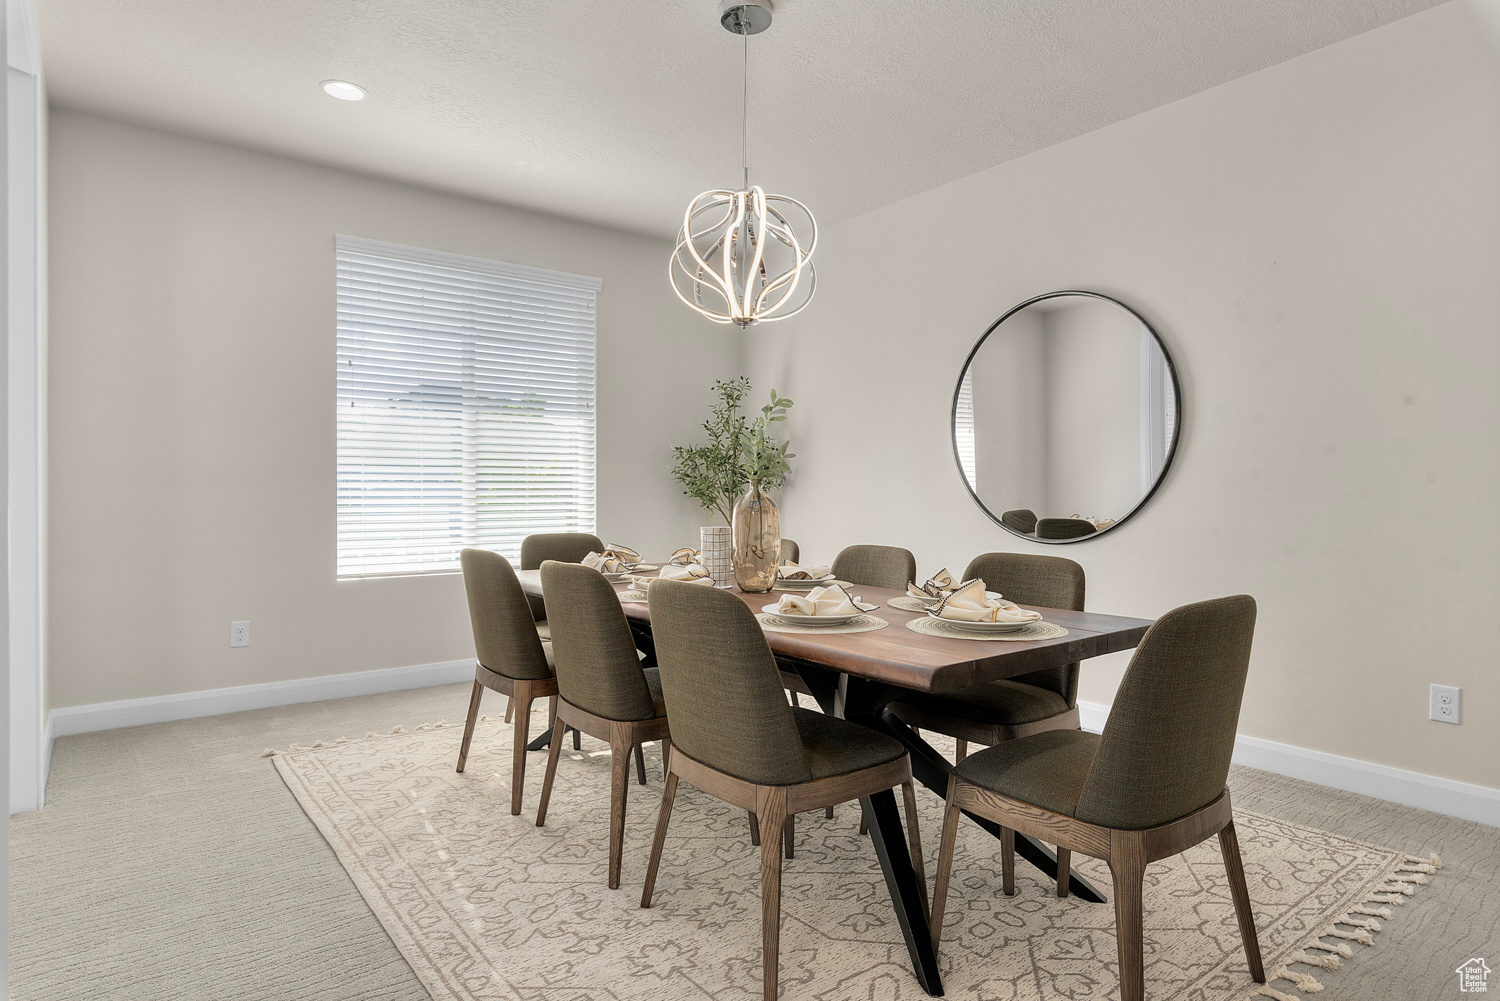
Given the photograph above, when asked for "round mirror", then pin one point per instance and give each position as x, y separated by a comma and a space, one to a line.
1065, 417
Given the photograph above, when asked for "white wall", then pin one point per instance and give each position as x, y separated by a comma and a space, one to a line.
192, 390
1319, 245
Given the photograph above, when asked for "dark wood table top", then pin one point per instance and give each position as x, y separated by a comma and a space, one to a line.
895, 655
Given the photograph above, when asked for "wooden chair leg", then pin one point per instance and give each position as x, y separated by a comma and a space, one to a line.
754, 829
619, 786
1127, 866
510, 707
789, 835
666, 752
944, 866
554, 751
521, 734
771, 803
1008, 861
1229, 845
640, 764
960, 750
1064, 870
663, 817
463, 748
914, 841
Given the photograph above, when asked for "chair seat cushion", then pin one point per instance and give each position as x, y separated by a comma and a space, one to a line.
836, 747
994, 703
1047, 769
653, 682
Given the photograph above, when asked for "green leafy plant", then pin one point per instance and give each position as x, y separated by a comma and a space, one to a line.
764, 462
711, 473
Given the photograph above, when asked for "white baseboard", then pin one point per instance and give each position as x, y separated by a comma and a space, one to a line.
188, 705
1425, 792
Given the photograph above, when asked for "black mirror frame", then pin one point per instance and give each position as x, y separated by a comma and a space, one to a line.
1171, 448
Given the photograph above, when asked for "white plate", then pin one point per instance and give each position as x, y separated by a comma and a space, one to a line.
820, 620
643, 567
809, 584
983, 627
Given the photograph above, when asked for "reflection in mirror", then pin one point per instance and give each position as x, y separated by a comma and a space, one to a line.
1066, 416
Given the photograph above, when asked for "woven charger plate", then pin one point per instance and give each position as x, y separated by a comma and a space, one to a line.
630, 594
859, 624
906, 603
938, 627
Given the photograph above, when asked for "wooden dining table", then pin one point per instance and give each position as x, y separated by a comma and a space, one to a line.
858, 675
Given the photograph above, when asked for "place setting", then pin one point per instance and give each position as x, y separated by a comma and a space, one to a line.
970, 612
683, 565
792, 577
823, 609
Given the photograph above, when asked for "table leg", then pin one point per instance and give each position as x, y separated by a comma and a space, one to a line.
908, 895
545, 740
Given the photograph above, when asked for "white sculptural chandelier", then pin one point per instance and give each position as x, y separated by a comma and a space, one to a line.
739, 258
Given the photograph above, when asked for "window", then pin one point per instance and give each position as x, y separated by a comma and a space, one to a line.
465, 406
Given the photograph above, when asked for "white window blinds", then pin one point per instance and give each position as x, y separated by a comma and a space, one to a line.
465, 406
963, 429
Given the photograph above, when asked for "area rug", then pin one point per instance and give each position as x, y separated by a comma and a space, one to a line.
485, 905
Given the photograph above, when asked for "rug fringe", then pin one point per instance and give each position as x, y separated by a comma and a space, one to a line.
1360, 923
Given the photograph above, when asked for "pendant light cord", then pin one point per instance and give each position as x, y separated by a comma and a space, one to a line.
745, 107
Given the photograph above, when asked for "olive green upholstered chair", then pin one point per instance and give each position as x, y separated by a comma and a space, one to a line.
602, 689
790, 552
511, 657
1063, 528
998, 711
1150, 786
1021, 520
876, 566
735, 737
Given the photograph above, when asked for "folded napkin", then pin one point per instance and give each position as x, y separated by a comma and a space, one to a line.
791, 571
615, 559
833, 600
940, 585
685, 556
692, 573
970, 604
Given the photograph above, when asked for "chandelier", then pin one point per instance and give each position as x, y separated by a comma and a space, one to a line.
738, 257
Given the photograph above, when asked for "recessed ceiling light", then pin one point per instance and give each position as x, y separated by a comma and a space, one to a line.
343, 90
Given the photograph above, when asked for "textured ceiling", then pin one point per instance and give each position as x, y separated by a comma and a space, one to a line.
619, 112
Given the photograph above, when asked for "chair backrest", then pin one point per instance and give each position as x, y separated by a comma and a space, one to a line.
565, 547
1166, 746
722, 687
790, 552
505, 638
1064, 528
1047, 581
876, 566
1021, 519
593, 649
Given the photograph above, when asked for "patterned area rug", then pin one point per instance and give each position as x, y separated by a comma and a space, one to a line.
488, 906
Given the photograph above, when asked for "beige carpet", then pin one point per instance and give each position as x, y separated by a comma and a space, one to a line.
486, 905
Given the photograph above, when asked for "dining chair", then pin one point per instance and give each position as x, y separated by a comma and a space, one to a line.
998, 711
568, 547
1148, 787
790, 552
1064, 528
1021, 520
602, 689
511, 657
735, 738
876, 566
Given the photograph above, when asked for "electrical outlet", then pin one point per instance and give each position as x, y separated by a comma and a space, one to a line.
1444, 703
239, 635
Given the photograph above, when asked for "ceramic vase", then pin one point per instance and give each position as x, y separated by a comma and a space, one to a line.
716, 546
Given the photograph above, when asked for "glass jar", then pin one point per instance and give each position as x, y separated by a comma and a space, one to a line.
757, 541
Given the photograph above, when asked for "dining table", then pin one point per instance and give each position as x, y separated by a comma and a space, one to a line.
858, 675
